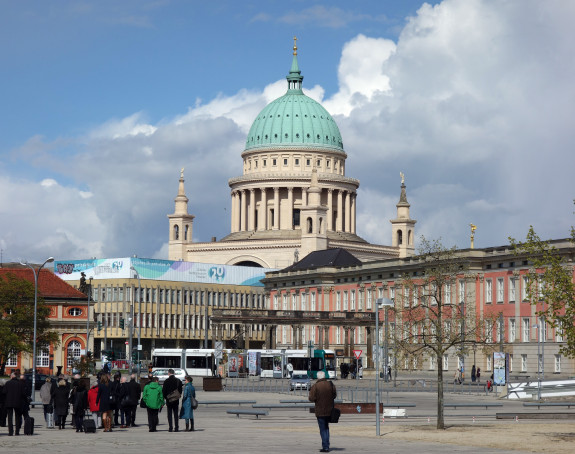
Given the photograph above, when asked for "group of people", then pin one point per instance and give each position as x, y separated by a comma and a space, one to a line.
14, 402
155, 397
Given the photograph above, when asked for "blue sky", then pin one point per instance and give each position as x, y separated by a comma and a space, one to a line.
103, 102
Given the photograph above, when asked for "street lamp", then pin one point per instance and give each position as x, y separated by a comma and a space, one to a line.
384, 302
139, 319
36, 276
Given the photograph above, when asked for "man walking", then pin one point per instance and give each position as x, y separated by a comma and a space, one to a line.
15, 397
134, 392
172, 391
323, 394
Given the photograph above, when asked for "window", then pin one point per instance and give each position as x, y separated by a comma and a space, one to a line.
524, 288
338, 301
445, 362
448, 293
284, 302
392, 293
500, 290
488, 291
523, 362
303, 301
369, 296
432, 362
296, 161
264, 162
43, 358
276, 302
512, 330
525, 330
512, 289
308, 162
313, 296
498, 327
353, 300
489, 360
327, 163
559, 333
338, 335
406, 297
293, 302
73, 352
285, 162
461, 291
12, 360
557, 364
74, 311
274, 162
489, 331
510, 362
345, 301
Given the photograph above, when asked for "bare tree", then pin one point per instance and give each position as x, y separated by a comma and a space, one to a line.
435, 311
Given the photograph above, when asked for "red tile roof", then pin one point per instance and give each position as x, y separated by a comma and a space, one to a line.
49, 285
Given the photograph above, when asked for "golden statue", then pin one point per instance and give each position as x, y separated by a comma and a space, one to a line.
402, 177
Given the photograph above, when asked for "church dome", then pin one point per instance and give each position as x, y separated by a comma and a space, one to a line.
294, 120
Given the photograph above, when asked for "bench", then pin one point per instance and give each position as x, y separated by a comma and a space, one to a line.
244, 411
398, 405
486, 405
226, 402
270, 406
549, 404
337, 401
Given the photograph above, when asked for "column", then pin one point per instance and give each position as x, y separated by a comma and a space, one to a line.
299, 337
347, 351
244, 211
247, 335
370, 342
290, 209
320, 334
326, 339
347, 227
329, 209
276, 208
263, 224
353, 208
339, 220
267, 341
252, 214
273, 336
233, 215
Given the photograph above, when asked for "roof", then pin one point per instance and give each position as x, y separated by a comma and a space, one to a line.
337, 257
294, 120
49, 285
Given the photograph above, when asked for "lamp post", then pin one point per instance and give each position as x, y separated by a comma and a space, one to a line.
36, 276
384, 302
139, 319
88, 316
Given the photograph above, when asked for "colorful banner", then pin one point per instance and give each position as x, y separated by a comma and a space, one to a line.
160, 270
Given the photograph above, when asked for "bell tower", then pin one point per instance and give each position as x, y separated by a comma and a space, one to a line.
181, 225
403, 227
313, 219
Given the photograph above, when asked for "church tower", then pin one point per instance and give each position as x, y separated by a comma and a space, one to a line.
181, 224
313, 216
403, 227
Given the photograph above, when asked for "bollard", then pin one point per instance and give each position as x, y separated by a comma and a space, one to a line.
474, 420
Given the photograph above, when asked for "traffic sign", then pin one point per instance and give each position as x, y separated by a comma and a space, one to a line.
357, 353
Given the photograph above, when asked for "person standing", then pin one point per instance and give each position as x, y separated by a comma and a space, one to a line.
154, 400
79, 405
115, 397
2, 406
103, 400
187, 412
93, 405
473, 374
15, 395
478, 374
124, 403
61, 402
172, 391
134, 391
47, 398
323, 394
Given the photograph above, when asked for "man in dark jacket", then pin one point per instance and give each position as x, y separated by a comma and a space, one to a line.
134, 391
115, 402
172, 398
323, 394
15, 397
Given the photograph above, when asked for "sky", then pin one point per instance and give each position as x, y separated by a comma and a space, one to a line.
103, 102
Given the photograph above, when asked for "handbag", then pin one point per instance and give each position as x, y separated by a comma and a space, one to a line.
174, 396
334, 416
142, 403
194, 402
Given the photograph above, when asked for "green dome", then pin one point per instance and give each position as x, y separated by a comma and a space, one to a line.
294, 120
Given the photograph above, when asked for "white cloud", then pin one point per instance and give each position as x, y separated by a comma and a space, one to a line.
474, 103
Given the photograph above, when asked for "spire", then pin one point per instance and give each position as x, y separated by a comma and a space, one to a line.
314, 191
294, 77
181, 199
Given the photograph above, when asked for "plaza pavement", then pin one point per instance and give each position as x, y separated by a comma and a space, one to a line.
282, 431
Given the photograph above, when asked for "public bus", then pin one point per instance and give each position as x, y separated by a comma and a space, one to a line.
195, 361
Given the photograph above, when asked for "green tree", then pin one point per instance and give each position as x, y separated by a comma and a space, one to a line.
435, 311
550, 284
17, 319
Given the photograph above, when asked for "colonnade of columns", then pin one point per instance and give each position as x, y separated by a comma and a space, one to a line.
247, 217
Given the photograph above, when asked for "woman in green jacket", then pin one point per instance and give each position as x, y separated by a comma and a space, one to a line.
154, 400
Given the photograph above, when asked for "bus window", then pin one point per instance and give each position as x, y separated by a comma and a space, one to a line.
167, 361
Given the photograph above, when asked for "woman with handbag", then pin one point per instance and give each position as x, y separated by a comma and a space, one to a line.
189, 403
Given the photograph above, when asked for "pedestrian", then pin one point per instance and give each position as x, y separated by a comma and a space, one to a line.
124, 403
154, 400
79, 402
456, 379
478, 374
187, 411
323, 394
172, 391
15, 395
47, 398
61, 402
389, 372
94, 406
103, 400
289, 368
115, 398
134, 392
360, 372
473, 373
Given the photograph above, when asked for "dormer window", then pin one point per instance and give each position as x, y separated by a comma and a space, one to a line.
74, 311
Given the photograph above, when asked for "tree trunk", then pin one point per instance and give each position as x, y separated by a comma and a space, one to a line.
440, 421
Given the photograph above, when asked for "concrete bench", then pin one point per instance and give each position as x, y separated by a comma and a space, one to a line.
395, 413
226, 402
398, 405
245, 411
486, 405
270, 406
549, 404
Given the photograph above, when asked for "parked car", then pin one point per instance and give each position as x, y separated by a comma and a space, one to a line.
40, 380
162, 374
299, 381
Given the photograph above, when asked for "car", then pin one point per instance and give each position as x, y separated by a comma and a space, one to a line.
299, 381
162, 374
40, 380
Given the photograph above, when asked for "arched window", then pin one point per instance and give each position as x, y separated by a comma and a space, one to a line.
320, 225
409, 238
187, 229
176, 232
74, 351
309, 225
75, 311
399, 237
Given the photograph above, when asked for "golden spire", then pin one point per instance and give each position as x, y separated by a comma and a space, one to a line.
295, 45
473, 229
